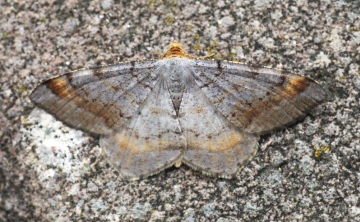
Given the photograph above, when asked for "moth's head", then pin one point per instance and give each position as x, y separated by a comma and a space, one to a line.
175, 50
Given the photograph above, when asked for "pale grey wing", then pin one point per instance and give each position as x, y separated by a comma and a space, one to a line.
151, 141
214, 146
98, 100
256, 100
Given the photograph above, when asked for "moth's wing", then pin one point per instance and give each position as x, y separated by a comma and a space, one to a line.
150, 141
257, 100
97, 100
214, 146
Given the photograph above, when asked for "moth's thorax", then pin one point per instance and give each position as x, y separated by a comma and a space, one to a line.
175, 72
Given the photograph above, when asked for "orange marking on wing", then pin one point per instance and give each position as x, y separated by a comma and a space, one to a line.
295, 85
139, 145
60, 88
217, 143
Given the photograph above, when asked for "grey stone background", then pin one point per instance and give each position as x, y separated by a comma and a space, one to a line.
50, 172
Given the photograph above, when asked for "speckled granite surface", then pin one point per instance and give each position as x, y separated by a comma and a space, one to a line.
52, 173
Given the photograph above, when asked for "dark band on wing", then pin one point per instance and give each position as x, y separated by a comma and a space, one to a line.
292, 87
63, 89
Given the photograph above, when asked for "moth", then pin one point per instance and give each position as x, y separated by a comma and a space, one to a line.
151, 115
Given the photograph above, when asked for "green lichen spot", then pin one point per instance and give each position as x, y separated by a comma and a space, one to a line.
320, 150
197, 46
169, 20
212, 48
